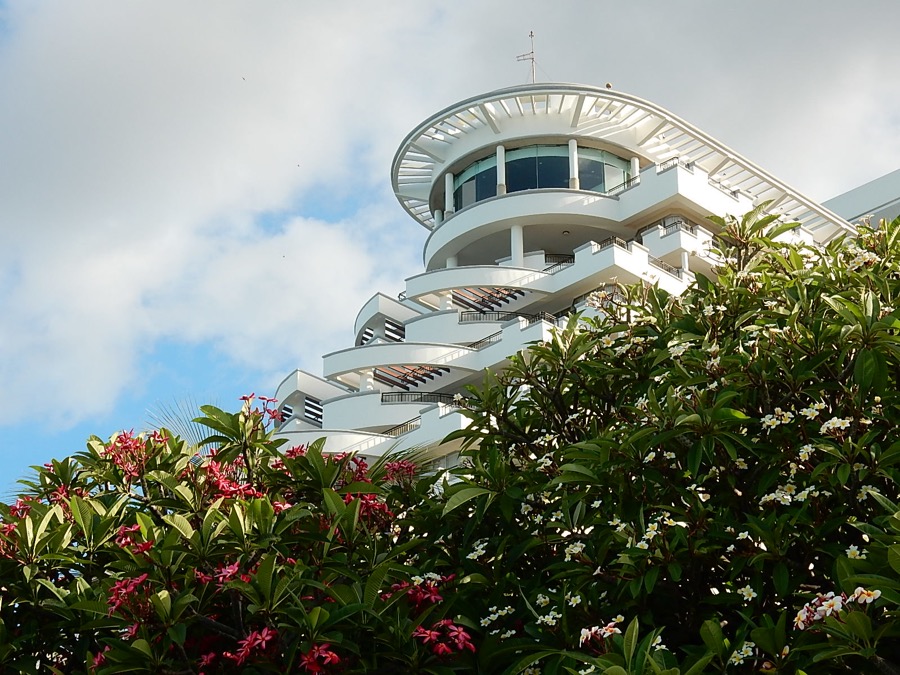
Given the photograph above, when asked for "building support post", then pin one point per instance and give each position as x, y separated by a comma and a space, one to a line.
501, 170
517, 246
438, 218
636, 168
446, 300
574, 180
448, 194
367, 380
452, 261
685, 261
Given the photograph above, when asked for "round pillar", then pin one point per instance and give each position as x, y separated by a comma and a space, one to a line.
574, 181
501, 170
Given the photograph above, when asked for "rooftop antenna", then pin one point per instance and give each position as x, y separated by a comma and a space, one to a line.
529, 56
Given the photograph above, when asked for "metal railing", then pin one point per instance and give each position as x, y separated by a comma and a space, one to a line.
621, 187
672, 163
664, 266
558, 264
556, 258
405, 428
681, 225
477, 317
417, 397
489, 340
609, 243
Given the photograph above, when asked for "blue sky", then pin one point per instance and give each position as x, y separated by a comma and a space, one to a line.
195, 198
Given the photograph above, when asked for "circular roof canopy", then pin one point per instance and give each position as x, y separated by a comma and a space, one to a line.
627, 121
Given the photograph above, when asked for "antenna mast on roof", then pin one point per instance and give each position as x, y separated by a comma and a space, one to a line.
529, 56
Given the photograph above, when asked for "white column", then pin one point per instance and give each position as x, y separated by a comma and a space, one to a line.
574, 181
448, 193
685, 261
501, 170
516, 246
635, 167
367, 380
452, 261
438, 217
447, 300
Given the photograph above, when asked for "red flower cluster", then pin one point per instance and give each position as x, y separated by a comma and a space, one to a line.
319, 656
421, 594
224, 574
400, 470
372, 510
257, 640
445, 637
124, 594
22, 507
124, 539
222, 479
128, 452
290, 453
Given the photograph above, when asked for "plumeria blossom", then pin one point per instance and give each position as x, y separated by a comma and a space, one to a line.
831, 604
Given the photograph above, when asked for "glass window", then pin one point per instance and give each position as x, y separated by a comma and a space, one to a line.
539, 166
521, 169
553, 166
478, 181
590, 170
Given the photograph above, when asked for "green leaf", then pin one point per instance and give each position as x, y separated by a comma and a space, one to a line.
781, 578
711, 634
894, 557
462, 496
630, 640
180, 523
650, 577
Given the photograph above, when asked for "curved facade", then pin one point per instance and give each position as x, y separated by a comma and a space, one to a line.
534, 196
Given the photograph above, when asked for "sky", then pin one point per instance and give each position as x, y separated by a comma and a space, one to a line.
195, 197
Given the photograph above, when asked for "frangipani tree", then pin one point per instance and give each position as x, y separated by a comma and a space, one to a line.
693, 484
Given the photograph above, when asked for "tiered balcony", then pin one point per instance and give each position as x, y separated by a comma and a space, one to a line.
672, 185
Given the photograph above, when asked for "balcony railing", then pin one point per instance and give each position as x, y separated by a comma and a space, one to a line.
405, 428
609, 243
621, 187
558, 262
671, 224
479, 317
489, 340
417, 397
664, 266
672, 163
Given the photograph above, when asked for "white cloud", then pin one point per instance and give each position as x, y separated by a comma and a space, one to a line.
144, 147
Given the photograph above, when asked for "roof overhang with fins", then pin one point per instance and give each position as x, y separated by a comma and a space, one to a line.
641, 127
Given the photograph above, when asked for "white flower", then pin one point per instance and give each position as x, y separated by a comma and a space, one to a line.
834, 424
854, 553
542, 600
747, 592
574, 549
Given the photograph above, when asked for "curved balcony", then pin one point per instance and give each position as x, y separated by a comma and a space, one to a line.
301, 381
384, 306
429, 285
615, 214
445, 326
364, 411
369, 357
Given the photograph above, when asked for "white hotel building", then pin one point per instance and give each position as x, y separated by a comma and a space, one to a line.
534, 196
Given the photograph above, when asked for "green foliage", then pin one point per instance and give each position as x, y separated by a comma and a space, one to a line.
670, 485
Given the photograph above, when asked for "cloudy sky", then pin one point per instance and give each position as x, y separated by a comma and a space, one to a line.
195, 197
